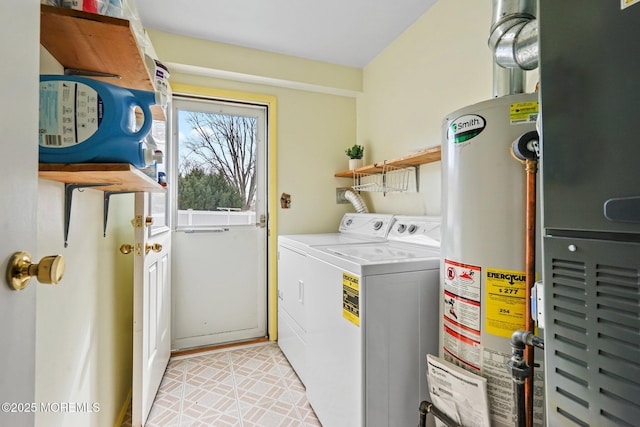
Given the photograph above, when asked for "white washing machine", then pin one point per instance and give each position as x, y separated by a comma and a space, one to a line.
372, 317
294, 274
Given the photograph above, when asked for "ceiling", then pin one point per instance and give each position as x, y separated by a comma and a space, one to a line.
344, 32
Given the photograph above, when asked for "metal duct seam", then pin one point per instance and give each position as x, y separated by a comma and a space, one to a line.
518, 47
514, 41
356, 201
526, 47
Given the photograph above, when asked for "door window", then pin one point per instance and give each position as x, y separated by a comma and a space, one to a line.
218, 149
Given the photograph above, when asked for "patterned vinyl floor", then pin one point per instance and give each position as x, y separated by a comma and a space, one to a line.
252, 386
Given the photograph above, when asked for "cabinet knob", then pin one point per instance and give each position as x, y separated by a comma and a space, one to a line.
20, 270
126, 249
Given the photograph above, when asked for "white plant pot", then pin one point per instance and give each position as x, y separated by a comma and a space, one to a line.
355, 164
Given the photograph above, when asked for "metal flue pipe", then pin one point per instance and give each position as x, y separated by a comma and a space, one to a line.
514, 41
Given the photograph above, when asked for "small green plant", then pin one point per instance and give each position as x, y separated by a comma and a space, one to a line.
355, 152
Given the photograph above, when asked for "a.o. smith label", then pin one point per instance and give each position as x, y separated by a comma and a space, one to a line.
465, 128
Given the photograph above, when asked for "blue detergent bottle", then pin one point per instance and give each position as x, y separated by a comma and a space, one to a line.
87, 121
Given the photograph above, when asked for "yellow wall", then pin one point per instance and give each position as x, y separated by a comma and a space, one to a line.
438, 65
314, 125
183, 50
84, 325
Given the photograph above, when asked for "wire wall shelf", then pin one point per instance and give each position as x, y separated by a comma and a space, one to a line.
389, 179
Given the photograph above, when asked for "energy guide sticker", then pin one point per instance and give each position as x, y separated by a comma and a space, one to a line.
505, 301
351, 298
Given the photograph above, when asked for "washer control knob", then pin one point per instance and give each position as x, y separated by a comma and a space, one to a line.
377, 225
401, 228
413, 228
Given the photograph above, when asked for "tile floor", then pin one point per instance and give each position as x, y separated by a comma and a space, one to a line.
251, 386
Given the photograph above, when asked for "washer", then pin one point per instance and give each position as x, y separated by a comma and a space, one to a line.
294, 274
372, 317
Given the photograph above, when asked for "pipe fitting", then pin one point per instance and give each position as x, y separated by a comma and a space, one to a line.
517, 366
520, 339
519, 370
429, 408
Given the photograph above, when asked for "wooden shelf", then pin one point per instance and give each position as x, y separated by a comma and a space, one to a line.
96, 43
423, 157
123, 176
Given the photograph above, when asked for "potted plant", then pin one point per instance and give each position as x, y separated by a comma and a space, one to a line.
355, 154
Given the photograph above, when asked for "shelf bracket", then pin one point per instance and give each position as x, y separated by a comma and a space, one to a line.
107, 196
68, 197
85, 73
417, 172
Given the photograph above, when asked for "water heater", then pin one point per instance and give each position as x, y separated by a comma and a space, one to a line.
483, 245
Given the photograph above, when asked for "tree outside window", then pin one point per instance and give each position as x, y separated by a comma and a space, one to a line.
217, 162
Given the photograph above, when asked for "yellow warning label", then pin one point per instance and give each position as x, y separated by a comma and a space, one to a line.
626, 3
524, 112
351, 298
505, 301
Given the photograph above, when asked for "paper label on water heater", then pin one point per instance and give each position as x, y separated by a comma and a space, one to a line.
524, 112
626, 3
351, 298
500, 389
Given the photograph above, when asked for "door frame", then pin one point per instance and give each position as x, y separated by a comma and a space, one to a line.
19, 213
272, 206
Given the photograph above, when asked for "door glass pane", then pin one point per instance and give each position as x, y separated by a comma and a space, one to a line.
158, 201
217, 148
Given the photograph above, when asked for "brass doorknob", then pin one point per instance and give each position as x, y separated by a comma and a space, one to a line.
156, 247
126, 249
20, 270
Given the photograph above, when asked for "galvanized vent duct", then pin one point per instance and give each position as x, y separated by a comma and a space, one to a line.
514, 41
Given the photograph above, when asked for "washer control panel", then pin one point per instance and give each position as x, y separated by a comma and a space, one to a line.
422, 230
366, 225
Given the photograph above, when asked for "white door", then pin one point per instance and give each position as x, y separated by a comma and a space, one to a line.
151, 307
220, 239
19, 44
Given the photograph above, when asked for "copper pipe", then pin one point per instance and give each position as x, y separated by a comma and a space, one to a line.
531, 167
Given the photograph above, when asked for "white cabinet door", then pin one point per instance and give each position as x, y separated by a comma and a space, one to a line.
292, 269
291, 284
19, 44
